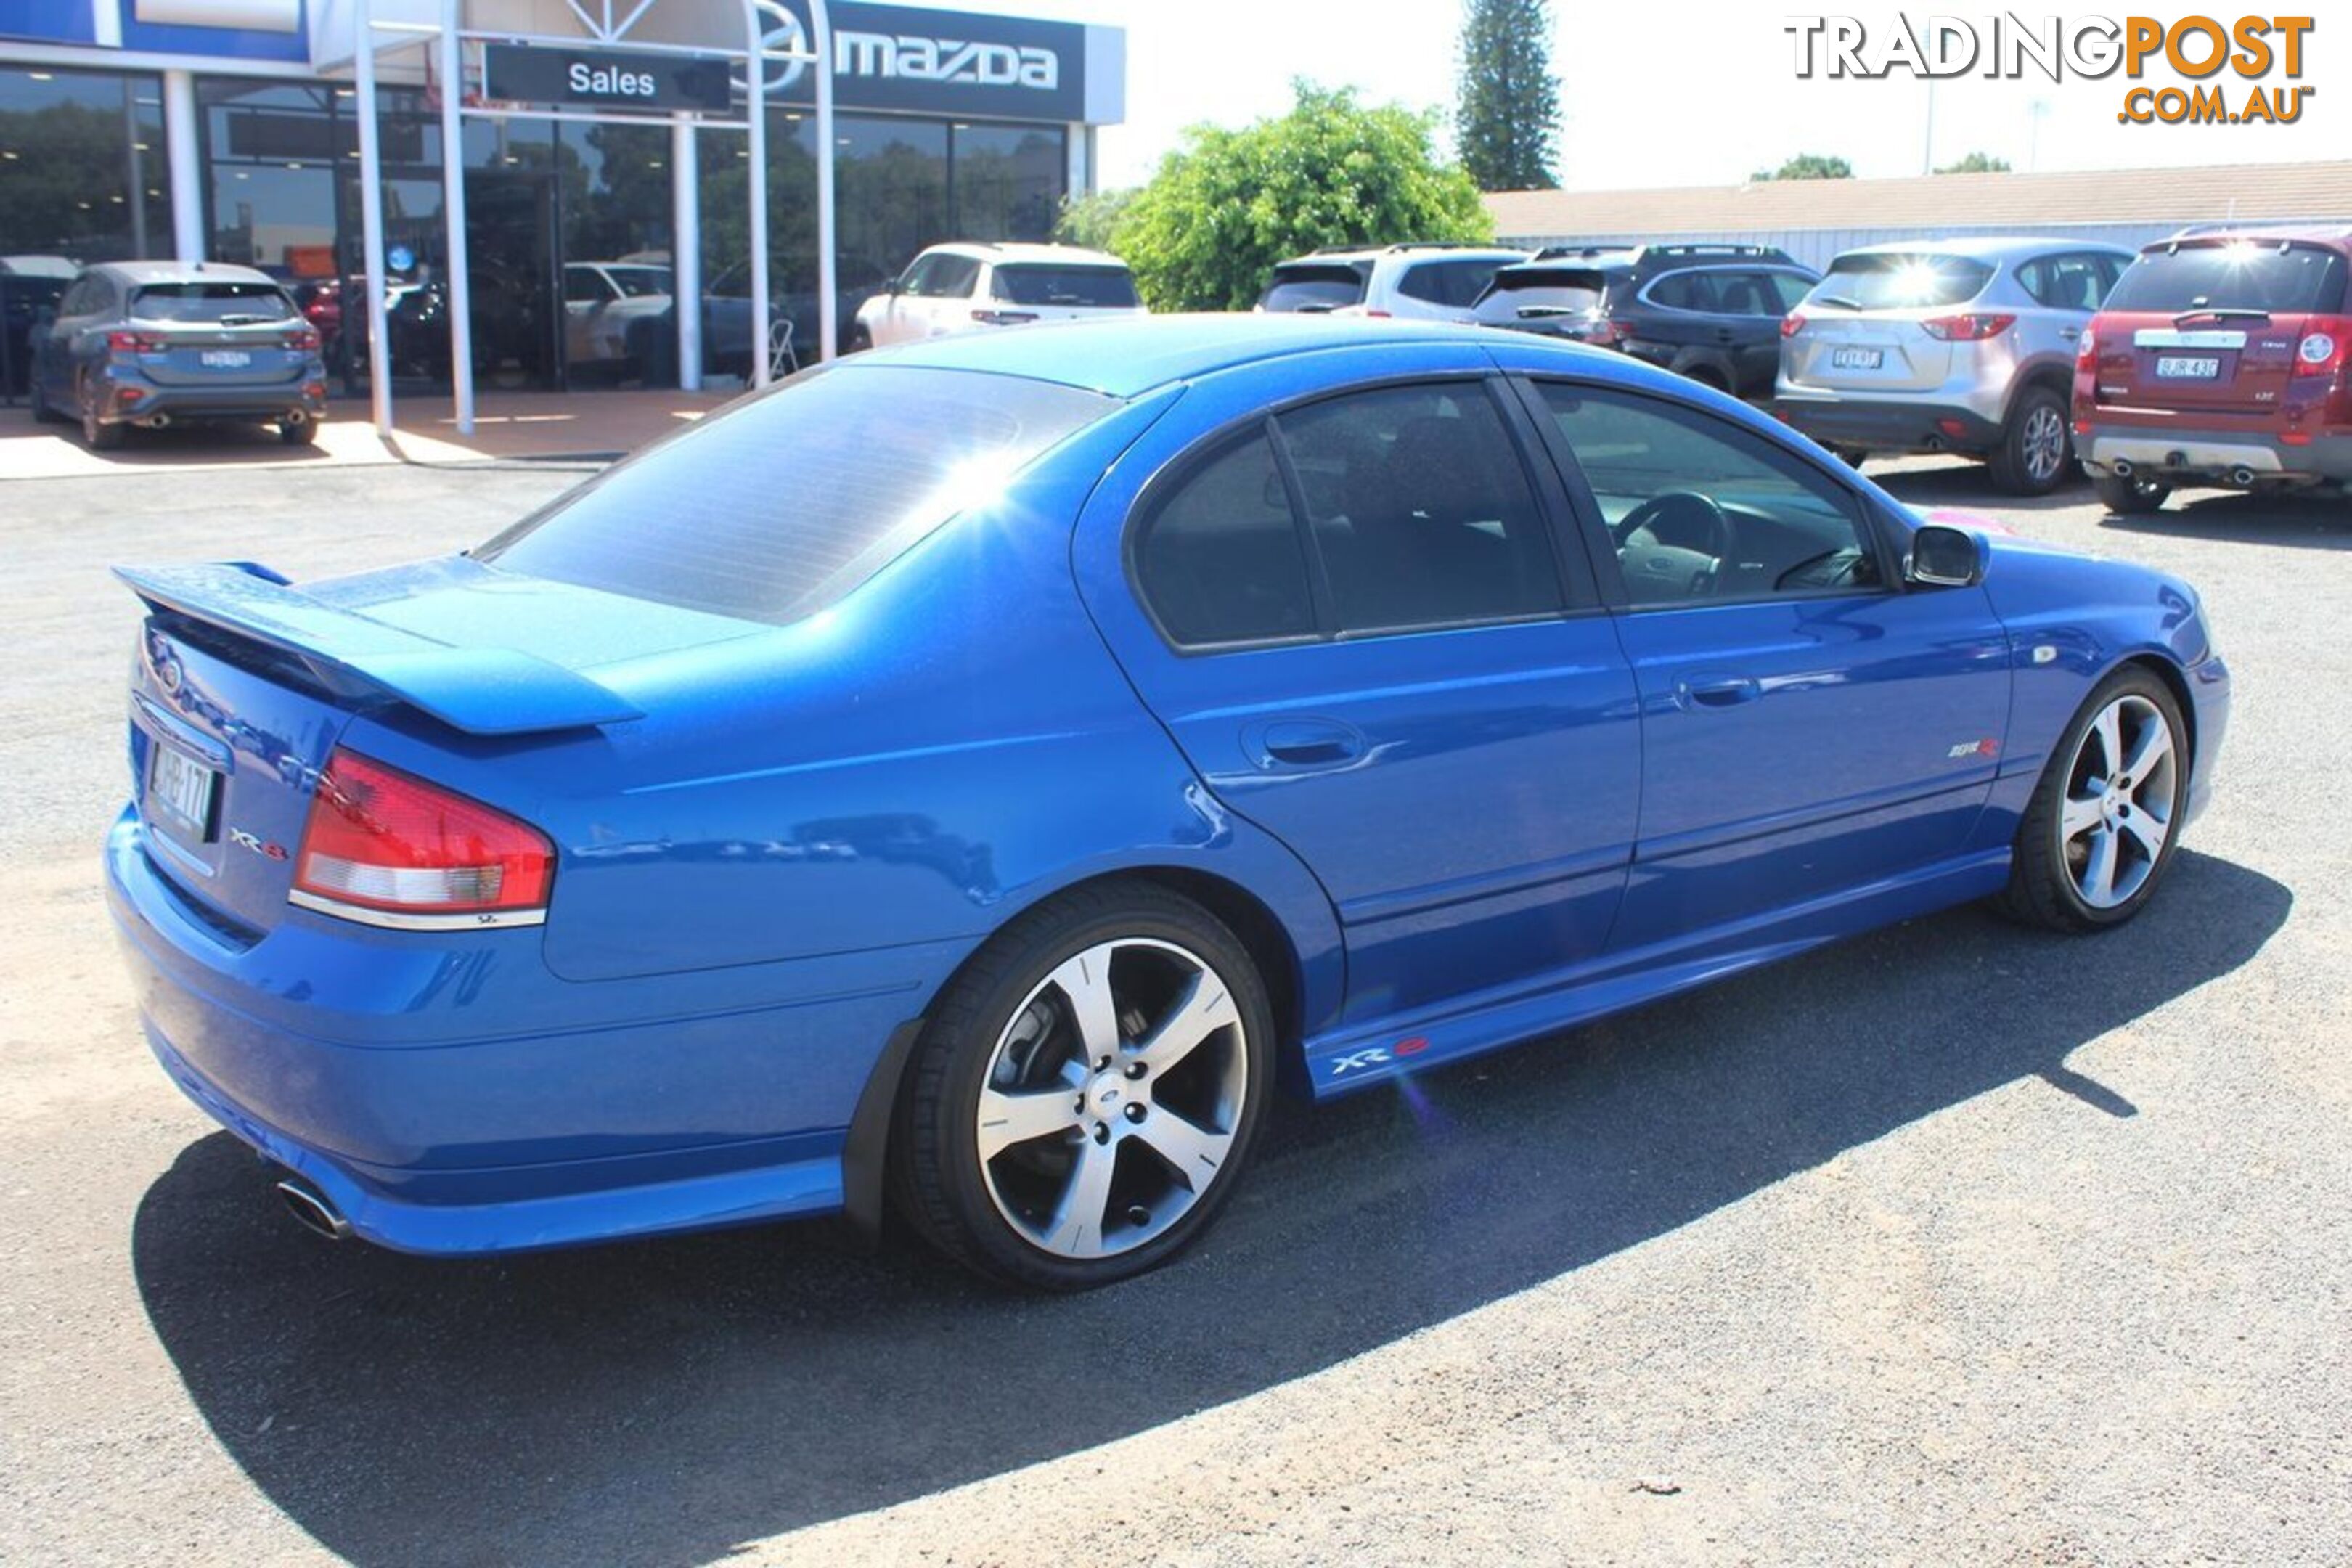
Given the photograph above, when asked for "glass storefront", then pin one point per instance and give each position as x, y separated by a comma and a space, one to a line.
83, 173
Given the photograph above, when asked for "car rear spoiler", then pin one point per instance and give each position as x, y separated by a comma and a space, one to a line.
481, 690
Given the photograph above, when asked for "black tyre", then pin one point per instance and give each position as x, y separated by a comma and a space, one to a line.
2036, 451
299, 432
1084, 1096
2101, 827
2129, 496
96, 433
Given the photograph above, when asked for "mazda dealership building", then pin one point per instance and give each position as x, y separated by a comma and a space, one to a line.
590, 179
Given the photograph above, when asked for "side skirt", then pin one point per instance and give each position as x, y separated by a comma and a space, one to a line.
1342, 1060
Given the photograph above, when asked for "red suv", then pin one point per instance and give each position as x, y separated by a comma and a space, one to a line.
2221, 358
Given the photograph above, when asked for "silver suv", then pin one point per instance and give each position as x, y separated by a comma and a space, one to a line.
1957, 345
1432, 282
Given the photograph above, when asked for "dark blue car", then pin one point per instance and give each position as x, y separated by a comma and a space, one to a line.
979, 773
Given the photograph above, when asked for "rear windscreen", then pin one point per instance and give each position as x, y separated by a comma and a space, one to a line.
224, 304
1899, 280
2286, 280
781, 504
1105, 287
1314, 288
1528, 294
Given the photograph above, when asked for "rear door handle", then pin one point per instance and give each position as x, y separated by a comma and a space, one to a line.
1723, 692
2070, 333
1287, 745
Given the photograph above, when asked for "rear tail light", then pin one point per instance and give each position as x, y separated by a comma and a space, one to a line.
1969, 327
1004, 318
135, 343
2327, 340
303, 340
387, 848
1792, 324
2086, 353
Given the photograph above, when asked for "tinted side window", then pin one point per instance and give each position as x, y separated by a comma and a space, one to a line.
1790, 288
1684, 291
1455, 283
1700, 510
1421, 509
953, 277
1220, 559
1745, 294
2066, 282
917, 282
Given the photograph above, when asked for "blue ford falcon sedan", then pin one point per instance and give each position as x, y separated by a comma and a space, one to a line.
971, 777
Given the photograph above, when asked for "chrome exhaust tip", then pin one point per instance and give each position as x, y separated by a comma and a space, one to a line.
2122, 467
295, 416
2243, 477
156, 421
311, 1208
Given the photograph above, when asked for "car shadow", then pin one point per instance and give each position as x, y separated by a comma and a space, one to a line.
1967, 484
2298, 522
664, 1402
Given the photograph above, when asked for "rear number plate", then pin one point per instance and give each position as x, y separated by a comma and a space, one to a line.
1857, 359
179, 792
2186, 367
226, 359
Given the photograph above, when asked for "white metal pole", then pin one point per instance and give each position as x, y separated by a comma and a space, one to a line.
459, 282
180, 157
685, 250
372, 224
755, 92
828, 302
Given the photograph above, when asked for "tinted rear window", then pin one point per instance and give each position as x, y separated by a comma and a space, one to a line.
1455, 283
777, 507
2288, 280
1900, 280
218, 303
1314, 288
1526, 293
1108, 288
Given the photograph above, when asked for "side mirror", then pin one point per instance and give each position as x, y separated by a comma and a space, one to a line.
1944, 557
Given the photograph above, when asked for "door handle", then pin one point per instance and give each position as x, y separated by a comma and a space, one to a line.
1298, 743
1726, 692
2070, 333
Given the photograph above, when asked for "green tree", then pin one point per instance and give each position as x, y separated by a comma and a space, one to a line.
1977, 164
1807, 166
1508, 118
1093, 220
1226, 205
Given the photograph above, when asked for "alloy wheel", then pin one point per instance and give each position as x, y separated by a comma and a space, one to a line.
2044, 441
2120, 793
1112, 1099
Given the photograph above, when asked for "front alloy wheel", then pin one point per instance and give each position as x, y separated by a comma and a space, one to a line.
1086, 1090
2100, 828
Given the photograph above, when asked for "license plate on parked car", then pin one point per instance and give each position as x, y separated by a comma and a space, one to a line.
180, 793
2188, 367
1857, 359
226, 359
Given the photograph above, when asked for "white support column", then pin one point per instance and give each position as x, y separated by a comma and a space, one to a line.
685, 249
828, 295
459, 281
180, 152
755, 93
371, 221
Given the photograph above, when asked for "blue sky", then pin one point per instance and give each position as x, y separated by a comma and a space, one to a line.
1671, 94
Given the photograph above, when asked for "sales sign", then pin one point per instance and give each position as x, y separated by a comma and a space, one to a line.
604, 78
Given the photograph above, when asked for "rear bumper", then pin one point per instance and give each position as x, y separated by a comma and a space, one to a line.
1880, 425
450, 1096
2164, 452
194, 403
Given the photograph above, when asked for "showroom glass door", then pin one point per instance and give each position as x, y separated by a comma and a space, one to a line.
514, 261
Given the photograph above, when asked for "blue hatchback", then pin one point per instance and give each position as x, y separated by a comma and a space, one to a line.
979, 773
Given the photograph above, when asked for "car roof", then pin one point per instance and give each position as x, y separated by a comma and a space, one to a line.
182, 272
2338, 235
1987, 247
1132, 355
1344, 254
1014, 253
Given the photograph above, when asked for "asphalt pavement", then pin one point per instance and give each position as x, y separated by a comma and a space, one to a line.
1954, 1243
